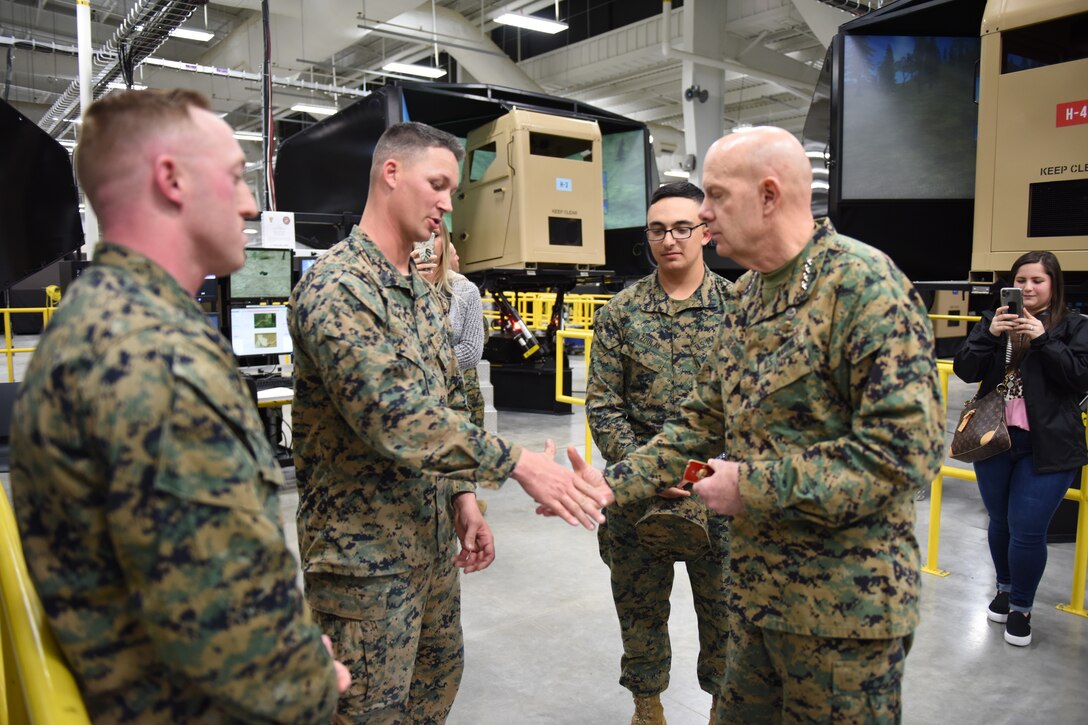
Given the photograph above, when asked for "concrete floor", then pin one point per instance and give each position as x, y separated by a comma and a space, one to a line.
542, 642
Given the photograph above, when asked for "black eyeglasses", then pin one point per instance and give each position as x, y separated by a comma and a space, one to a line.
678, 233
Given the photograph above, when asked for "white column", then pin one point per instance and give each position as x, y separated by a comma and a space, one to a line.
703, 21
86, 97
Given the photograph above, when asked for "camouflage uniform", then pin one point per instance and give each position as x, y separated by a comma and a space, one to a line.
835, 417
145, 492
646, 351
474, 396
378, 455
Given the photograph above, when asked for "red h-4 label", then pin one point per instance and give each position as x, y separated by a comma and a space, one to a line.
1072, 113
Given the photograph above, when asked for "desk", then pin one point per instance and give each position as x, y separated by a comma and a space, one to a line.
274, 397
270, 405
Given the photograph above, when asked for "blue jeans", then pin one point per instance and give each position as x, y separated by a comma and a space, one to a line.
1021, 504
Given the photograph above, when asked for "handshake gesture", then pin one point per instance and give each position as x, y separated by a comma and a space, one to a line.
576, 496
719, 489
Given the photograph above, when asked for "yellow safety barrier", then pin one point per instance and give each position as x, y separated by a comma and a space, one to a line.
38, 687
9, 350
535, 308
560, 394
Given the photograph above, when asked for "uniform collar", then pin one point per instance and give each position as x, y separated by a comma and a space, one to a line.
802, 281
389, 275
144, 272
659, 301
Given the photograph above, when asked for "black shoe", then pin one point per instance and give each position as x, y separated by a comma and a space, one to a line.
999, 608
1018, 629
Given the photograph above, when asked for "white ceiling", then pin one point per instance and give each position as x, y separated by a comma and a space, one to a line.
773, 49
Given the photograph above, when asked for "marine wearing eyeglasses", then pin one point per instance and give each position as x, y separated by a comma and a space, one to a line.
679, 233
649, 342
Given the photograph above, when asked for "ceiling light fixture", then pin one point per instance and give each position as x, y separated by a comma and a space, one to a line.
314, 110
248, 136
424, 71
531, 22
202, 36
678, 174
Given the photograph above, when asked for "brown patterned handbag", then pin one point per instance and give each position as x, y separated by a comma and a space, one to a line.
981, 431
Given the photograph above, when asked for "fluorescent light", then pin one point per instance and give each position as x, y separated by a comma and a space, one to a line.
248, 136
416, 70
531, 22
120, 86
314, 110
678, 174
200, 35
250, 231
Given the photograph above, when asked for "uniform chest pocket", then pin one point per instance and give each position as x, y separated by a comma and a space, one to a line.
651, 353
792, 362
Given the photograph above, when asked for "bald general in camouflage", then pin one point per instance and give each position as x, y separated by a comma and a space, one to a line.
379, 452
646, 351
144, 488
826, 393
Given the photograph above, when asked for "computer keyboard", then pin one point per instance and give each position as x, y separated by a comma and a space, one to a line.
272, 381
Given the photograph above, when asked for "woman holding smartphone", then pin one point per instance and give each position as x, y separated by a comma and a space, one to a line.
1041, 357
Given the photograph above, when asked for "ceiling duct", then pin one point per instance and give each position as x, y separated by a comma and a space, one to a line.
476, 54
142, 31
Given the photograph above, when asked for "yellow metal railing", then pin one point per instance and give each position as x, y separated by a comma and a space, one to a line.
9, 350
560, 395
37, 684
535, 308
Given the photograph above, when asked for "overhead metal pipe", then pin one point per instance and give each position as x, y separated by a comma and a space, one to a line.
144, 29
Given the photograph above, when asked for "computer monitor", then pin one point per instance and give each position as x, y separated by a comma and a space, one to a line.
304, 264
266, 276
259, 330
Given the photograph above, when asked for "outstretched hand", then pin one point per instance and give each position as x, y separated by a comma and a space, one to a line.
590, 482
560, 490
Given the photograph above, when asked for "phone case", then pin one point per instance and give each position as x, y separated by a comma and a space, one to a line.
1012, 300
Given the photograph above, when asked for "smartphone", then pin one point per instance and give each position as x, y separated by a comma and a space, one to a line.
1013, 298
425, 249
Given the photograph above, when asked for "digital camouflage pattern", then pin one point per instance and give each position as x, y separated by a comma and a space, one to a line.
647, 349
378, 449
474, 396
828, 398
408, 642
375, 379
779, 677
145, 492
